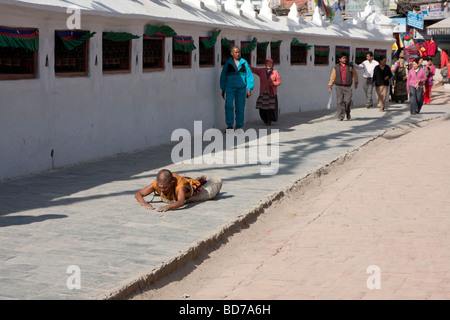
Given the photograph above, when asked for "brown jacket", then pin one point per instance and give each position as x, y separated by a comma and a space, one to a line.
349, 68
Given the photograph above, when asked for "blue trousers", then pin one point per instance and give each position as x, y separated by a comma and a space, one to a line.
235, 106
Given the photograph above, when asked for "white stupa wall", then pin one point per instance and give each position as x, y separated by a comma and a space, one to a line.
87, 118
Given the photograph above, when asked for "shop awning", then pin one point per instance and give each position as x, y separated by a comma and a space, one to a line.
439, 28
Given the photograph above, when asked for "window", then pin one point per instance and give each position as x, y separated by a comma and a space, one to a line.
246, 49
153, 54
207, 49
181, 59
226, 49
321, 55
72, 53
247, 57
275, 51
261, 52
117, 52
18, 53
206, 52
182, 47
299, 54
360, 55
378, 53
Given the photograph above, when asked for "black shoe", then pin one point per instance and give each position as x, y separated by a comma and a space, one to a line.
349, 116
229, 128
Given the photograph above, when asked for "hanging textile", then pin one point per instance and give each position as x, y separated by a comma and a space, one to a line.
378, 53
119, 36
361, 52
72, 39
342, 50
406, 40
25, 39
321, 51
159, 31
274, 44
185, 44
227, 43
263, 45
248, 46
295, 42
209, 42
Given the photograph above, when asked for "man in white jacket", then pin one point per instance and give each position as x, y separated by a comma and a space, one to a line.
368, 66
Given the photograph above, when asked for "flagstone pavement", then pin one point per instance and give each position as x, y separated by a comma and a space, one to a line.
78, 233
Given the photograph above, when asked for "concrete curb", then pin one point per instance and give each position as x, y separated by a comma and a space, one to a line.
143, 281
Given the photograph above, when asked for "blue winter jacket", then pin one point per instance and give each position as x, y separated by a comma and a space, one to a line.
240, 77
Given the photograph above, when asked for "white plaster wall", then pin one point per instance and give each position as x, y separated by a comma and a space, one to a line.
87, 118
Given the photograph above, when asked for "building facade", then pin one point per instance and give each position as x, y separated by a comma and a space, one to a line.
88, 81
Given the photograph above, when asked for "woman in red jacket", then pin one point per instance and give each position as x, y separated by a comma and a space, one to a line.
267, 102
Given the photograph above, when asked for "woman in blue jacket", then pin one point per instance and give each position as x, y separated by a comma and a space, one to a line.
236, 82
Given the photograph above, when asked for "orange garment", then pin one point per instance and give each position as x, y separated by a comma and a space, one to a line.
191, 187
444, 59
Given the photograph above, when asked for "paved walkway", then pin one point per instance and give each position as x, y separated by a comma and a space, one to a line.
86, 215
375, 227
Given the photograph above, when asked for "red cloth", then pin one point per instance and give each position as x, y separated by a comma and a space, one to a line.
265, 82
444, 59
431, 47
427, 94
422, 48
343, 73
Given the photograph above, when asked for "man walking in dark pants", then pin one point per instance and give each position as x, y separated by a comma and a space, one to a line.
343, 76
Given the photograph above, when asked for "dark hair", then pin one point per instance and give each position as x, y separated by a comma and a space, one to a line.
164, 176
342, 55
382, 57
370, 53
416, 60
429, 59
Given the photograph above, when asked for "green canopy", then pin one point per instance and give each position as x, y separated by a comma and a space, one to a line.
248, 46
185, 44
209, 42
263, 45
227, 43
73, 39
119, 36
322, 51
13, 38
295, 42
275, 44
162, 31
